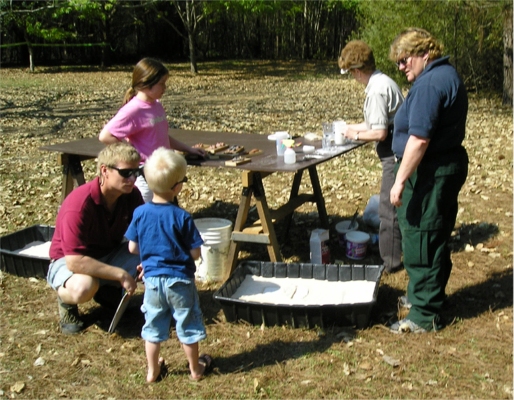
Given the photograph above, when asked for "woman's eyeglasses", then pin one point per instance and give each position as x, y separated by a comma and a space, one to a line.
182, 181
403, 62
128, 172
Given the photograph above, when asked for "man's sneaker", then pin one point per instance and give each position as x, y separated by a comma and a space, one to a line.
70, 321
404, 302
406, 326
109, 296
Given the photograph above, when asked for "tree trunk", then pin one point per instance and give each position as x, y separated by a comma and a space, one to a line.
304, 30
192, 52
30, 49
507, 56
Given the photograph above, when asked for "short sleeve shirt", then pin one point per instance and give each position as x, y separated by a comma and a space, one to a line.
143, 124
85, 227
436, 108
166, 234
383, 98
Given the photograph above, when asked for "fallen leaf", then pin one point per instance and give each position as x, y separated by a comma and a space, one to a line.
39, 362
18, 387
346, 369
365, 366
255, 385
361, 377
391, 361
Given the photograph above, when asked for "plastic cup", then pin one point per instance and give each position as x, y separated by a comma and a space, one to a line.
279, 136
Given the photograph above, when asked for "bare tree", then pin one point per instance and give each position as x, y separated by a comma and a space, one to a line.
507, 55
190, 14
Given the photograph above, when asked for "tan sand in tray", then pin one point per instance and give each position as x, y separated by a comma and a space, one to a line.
306, 292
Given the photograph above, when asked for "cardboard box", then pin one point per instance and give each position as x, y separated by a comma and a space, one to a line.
304, 316
20, 264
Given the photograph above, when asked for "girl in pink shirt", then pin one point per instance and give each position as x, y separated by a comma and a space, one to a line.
141, 120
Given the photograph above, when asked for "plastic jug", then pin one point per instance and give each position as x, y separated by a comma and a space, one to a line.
320, 252
289, 154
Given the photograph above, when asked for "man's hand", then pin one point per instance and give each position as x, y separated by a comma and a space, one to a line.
128, 283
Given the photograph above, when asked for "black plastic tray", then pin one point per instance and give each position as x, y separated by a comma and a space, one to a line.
297, 315
23, 265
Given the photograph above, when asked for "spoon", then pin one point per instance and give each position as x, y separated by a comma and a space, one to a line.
352, 222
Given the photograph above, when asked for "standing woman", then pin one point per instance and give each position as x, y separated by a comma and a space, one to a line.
141, 120
432, 167
383, 98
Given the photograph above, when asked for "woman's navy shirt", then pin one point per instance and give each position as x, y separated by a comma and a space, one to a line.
435, 108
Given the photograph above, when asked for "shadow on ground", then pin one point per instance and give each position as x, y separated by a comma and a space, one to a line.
467, 302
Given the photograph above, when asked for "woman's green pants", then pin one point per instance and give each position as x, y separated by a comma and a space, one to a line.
426, 218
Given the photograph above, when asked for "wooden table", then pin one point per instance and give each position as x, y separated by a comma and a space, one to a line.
262, 231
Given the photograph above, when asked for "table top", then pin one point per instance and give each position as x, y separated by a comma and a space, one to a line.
268, 161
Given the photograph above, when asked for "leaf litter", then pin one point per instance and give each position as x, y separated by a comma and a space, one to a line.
56, 105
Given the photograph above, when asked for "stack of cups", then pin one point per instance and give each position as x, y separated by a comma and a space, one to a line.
328, 136
279, 137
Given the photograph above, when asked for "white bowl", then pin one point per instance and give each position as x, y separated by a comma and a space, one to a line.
308, 149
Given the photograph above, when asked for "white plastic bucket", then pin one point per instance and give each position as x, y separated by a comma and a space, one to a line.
216, 234
356, 244
342, 228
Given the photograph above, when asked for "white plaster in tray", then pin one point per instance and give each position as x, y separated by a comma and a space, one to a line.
37, 249
307, 292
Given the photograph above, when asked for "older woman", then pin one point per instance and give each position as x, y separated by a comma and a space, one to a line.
432, 166
383, 98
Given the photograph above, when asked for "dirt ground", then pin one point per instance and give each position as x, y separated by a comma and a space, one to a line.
470, 358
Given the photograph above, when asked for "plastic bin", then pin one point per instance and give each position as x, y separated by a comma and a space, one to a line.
300, 316
20, 264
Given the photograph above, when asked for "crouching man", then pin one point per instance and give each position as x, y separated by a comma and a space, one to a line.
89, 256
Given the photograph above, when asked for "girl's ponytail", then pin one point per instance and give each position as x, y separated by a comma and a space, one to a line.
128, 95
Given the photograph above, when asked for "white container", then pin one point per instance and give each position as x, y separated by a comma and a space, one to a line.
216, 233
320, 252
356, 244
339, 128
342, 228
309, 149
289, 156
339, 139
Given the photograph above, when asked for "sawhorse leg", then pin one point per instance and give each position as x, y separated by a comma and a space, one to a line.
72, 172
252, 186
318, 196
295, 189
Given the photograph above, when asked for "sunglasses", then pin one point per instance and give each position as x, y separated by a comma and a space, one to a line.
182, 181
128, 172
403, 62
